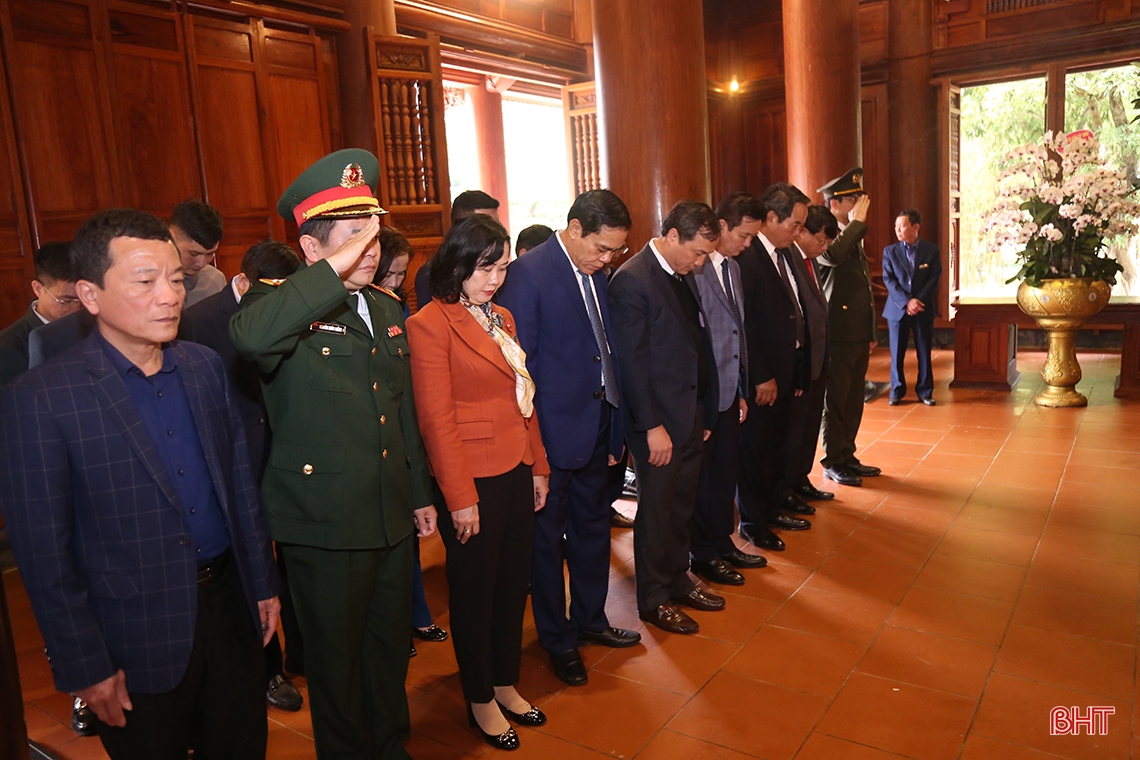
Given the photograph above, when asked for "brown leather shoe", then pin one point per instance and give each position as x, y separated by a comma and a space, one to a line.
669, 618
700, 599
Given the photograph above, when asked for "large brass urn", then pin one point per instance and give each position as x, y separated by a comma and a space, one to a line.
1060, 307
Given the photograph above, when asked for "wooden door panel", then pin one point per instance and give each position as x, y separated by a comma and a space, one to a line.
230, 132
300, 137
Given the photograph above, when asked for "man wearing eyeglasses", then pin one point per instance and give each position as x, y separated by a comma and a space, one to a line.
54, 287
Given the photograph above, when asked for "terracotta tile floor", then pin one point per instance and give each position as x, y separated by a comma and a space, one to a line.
941, 611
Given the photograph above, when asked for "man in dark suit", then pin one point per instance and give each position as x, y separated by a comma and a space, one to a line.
714, 556
557, 294
778, 367
911, 270
468, 203
853, 333
819, 229
54, 288
134, 516
669, 396
347, 487
208, 323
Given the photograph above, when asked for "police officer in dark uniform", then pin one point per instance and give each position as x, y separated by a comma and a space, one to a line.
852, 329
347, 486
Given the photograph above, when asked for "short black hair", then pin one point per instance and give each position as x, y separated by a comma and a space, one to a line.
911, 214
691, 218
393, 245
821, 218
53, 263
474, 242
201, 222
319, 228
271, 260
595, 209
736, 207
782, 198
532, 236
91, 248
470, 202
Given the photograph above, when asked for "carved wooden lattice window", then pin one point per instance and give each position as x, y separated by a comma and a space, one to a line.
954, 177
1003, 6
580, 103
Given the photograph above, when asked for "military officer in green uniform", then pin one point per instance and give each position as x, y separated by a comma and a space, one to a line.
852, 330
347, 486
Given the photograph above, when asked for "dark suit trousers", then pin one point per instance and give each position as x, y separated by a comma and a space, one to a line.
488, 579
763, 456
355, 611
714, 518
843, 404
666, 498
803, 431
577, 509
219, 706
922, 326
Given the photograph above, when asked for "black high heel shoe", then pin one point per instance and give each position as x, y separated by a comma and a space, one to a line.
508, 740
532, 717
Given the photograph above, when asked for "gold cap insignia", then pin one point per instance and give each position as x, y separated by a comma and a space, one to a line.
352, 176
857, 179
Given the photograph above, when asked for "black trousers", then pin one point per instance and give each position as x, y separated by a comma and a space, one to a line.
665, 502
803, 431
843, 405
763, 455
218, 708
714, 517
488, 578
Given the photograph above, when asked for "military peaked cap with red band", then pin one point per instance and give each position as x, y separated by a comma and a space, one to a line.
341, 184
844, 186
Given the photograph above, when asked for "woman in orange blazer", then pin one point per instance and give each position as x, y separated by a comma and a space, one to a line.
474, 399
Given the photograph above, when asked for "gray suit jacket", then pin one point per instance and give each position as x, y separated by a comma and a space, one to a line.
724, 332
656, 357
815, 312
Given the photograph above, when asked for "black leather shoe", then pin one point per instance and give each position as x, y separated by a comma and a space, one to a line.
434, 633
762, 538
618, 520
413, 651
744, 560
615, 638
283, 695
532, 717
929, 401
798, 506
569, 668
872, 390
700, 599
669, 618
82, 718
787, 522
811, 493
842, 476
507, 740
863, 470
717, 571
894, 401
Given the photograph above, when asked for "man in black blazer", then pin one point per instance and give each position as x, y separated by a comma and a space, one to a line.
133, 513
778, 366
54, 288
208, 323
668, 378
911, 271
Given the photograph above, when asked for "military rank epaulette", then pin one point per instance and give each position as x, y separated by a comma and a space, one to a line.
275, 283
385, 291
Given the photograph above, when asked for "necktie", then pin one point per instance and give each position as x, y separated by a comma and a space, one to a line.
909, 262
781, 259
739, 325
608, 376
811, 270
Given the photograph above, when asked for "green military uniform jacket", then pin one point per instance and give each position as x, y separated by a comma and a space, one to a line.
347, 466
846, 282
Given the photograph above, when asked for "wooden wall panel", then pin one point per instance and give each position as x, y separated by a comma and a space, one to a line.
300, 140
765, 144
230, 133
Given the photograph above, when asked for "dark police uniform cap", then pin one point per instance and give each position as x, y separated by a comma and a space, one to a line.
845, 185
342, 184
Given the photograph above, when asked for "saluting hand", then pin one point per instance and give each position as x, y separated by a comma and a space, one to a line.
343, 260
466, 523
859, 212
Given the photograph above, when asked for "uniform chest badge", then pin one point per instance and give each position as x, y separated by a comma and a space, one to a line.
395, 330
329, 327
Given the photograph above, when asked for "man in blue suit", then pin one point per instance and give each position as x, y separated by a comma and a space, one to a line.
557, 294
911, 270
133, 513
